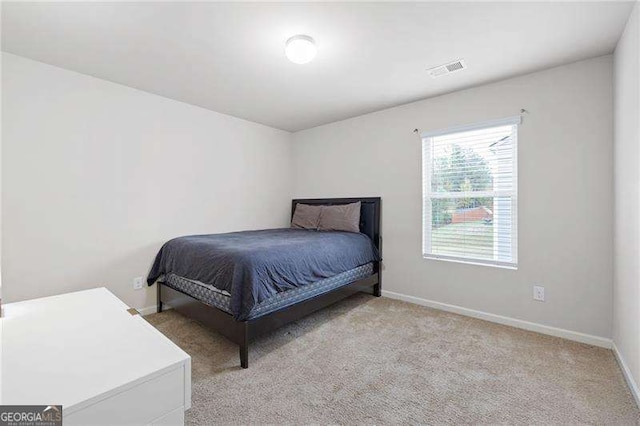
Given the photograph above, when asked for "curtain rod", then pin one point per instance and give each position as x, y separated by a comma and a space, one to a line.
522, 112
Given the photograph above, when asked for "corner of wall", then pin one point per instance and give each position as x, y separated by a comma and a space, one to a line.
626, 282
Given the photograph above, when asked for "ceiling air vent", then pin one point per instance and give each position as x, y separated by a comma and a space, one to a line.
449, 68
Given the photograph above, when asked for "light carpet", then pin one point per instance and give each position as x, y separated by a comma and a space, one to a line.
376, 360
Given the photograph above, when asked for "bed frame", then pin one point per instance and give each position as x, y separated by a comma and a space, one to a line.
242, 332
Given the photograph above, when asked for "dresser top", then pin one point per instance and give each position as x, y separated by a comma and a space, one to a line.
76, 348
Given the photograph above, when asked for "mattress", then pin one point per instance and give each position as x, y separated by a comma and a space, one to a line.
253, 266
221, 299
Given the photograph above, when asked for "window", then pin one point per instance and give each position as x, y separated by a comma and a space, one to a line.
470, 189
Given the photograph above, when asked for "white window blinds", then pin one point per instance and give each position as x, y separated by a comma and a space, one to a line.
470, 190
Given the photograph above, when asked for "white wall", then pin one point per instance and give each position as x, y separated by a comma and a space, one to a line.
96, 176
565, 197
626, 293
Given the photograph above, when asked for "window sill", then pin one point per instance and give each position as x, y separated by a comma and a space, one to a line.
513, 267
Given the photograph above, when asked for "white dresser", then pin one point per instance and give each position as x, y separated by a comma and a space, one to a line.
87, 352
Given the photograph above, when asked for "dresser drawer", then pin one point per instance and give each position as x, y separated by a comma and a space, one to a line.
176, 417
142, 404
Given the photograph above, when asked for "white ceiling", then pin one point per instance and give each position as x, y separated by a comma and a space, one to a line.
229, 57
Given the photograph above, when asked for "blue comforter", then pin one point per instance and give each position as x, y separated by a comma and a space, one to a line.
254, 265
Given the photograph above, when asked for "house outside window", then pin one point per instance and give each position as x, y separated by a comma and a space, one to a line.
470, 189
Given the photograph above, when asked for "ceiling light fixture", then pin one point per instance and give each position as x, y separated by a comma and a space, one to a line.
300, 49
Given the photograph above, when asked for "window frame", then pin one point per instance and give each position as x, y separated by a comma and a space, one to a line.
428, 193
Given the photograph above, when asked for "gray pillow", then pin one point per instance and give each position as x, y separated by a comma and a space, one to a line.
306, 216
345, 217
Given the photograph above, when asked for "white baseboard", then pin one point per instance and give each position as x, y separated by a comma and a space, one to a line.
513, 322
633, 386
152, 309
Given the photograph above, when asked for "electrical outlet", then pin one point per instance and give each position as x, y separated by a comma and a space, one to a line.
137, 283
538, 293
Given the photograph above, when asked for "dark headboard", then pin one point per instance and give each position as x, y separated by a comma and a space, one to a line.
369, 213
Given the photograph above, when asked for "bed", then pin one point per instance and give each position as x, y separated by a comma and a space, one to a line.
245, 284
